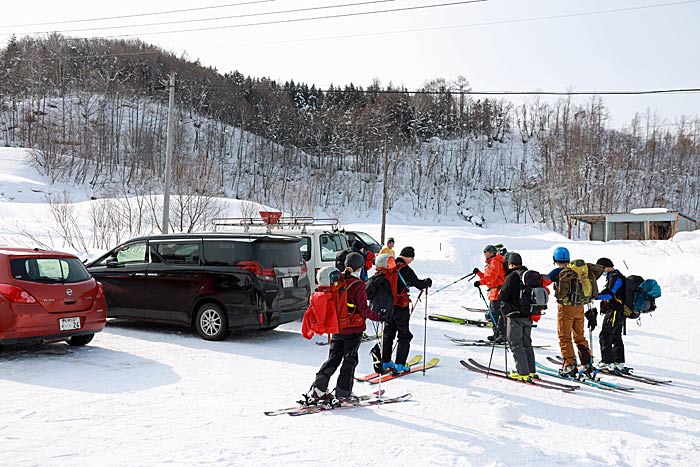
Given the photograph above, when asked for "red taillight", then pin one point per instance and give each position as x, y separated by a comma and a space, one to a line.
16, 294
100, 291
265, 274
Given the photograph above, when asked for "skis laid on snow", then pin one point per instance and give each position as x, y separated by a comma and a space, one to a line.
626, 373
413, 361
476, 310
364, 339
364, 401
464, 321
476, 367
414, 369
592, 382
482, 342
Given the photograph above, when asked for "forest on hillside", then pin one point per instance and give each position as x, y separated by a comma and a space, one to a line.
96, 112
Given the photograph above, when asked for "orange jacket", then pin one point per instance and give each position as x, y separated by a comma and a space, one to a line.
494, 276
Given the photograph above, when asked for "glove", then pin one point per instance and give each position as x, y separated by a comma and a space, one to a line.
429, 282
477, 284
592, 317
383, 315
476, 271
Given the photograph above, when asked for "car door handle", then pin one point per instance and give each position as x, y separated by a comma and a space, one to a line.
137, 274
152, 274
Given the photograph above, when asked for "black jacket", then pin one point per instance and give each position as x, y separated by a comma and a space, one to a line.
408, 278
510, 293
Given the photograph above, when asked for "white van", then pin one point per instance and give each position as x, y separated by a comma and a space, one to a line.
319, 239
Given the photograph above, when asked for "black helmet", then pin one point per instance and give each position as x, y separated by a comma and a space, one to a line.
354, 261
515, 259
605, 262
490, 249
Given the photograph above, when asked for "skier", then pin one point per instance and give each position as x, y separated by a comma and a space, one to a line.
493, 276
519, 326
398, 320
356, 247
345, 344
389, 248
570, 316
612, 350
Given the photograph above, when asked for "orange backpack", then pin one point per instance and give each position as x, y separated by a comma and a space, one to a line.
329, 311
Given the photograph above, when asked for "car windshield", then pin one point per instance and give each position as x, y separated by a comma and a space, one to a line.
49, 270
331, 244
366, 238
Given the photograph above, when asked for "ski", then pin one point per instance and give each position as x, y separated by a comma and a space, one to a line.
627, 374
483, 343
414, 369
349, 405
476, 310
464, 321
413, 361
364, 339
272, 413
595, 383
479, 368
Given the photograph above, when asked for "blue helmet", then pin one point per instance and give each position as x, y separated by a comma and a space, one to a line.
561, 254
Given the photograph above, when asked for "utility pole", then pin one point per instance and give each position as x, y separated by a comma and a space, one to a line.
386, 188
168, 155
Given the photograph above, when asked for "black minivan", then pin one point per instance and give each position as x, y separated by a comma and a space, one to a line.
212, 282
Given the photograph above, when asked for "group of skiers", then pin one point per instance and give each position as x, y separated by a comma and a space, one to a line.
517, 298
515, 305
339, 308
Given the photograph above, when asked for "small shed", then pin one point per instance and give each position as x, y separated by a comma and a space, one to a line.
638, 224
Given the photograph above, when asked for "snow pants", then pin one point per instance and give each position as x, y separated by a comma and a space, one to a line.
343, 349
520, 340
612, 350
397, 323
570, 323
499, 329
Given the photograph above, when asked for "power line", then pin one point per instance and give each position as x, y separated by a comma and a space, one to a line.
297, 20
184, 10
471, 25
217, 18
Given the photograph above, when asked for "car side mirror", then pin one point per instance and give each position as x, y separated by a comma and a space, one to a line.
112, 263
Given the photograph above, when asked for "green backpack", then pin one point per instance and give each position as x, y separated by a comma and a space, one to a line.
577, 284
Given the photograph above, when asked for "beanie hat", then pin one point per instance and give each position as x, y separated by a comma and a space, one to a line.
515, 259
490, 249
605, 262
357, 245
408, 252
391, 239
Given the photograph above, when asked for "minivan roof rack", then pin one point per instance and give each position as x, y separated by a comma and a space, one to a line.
274, 222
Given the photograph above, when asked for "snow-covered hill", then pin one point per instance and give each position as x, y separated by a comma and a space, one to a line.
144, 395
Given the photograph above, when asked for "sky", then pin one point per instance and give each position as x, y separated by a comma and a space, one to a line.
495, 44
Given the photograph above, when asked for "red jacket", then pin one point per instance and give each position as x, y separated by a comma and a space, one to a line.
357, 295
494, 276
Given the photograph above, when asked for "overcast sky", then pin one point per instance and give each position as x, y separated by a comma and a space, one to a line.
637, 49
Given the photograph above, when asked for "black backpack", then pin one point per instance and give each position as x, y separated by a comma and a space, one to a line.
640, 296
379, 294
533, 297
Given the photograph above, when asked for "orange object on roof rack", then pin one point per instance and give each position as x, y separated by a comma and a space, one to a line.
270, 217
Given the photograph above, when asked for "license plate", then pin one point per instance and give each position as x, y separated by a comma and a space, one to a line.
287, 282
68, 324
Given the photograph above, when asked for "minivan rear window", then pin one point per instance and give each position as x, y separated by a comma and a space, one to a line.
331, 244
267, 253
49, 270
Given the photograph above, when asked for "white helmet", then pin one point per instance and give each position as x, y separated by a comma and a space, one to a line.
327, 275
385, 261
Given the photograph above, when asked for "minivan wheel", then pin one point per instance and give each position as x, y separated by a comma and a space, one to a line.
211, 322
77, 341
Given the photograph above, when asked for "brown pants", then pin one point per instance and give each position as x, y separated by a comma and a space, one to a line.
570, 322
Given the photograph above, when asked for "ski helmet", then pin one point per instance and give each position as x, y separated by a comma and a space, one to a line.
385, 261
327, 275
354, 261
490, 249
515, 259
561, 255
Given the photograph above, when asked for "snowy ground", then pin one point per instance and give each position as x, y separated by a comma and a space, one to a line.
143, 395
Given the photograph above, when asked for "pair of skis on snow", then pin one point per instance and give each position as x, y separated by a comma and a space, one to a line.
482, 342
361, 401
626, 373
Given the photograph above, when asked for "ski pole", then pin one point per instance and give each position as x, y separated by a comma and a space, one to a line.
453, 283
425, 329
417, 300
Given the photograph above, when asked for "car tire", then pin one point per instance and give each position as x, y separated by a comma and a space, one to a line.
79, 341
211, 322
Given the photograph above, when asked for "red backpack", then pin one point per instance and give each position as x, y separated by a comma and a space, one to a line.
329, 311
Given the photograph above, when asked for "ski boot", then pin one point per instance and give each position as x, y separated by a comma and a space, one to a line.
398, 369
515, 375
568, 371
316, 396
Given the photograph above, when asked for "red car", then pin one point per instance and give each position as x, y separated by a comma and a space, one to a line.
48, 296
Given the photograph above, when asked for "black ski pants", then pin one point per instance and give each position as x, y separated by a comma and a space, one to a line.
496, 307
343, 349
612, 349
520, 340
397, 323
